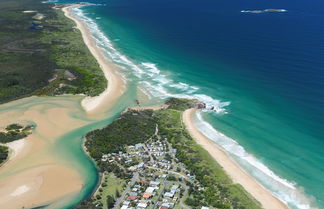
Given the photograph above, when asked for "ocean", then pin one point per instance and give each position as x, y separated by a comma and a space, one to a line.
261, 73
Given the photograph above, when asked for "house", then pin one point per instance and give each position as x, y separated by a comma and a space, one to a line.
126, 203
138, 146
140, 165
142, 205
147, 195
132, 168
133, 194
169, 194
163, 176
134, 189
143, 182
131, 147
203, 207
132, 197
104, 158
124, 207
174, 187
154, 183
167, 205
150, 190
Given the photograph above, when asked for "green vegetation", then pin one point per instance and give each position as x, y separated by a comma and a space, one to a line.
14, 126
110, 187
130, 128
43, 56
217, 191
183, 104
3, 154
11, 133
14, 132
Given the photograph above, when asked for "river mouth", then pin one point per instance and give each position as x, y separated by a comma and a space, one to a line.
51, 167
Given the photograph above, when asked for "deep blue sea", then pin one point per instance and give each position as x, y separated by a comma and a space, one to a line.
263, 73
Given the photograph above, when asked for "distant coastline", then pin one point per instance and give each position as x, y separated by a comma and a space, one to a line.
115, 86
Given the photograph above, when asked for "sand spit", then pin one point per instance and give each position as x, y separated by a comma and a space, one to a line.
16, 147
267, 200
116, 86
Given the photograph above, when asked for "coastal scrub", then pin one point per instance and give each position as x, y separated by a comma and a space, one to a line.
42, 53
217, 190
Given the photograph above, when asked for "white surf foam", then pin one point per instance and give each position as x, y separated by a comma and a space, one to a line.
157, 83
286, 191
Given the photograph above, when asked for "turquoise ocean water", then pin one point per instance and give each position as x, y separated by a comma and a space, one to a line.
262, 74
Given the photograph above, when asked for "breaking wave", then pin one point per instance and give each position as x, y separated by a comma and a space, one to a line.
284, 190
157, 83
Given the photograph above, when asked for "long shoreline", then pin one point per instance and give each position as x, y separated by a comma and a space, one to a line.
115, 86
113, 91
267, 200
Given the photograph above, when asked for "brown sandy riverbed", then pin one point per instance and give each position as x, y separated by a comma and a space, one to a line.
35, 175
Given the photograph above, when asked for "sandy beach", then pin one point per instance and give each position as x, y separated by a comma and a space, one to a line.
267, 200
116, 85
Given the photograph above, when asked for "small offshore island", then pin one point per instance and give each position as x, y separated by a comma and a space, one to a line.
263, 11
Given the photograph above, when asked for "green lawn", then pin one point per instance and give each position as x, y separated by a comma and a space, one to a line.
113, 184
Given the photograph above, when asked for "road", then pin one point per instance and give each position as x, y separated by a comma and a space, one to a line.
122, 197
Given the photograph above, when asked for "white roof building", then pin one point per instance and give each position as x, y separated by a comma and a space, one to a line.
154, 183
138, 146
140, 165
174, 187
142, 205
150, 190
126, 203
167, 204
169, 194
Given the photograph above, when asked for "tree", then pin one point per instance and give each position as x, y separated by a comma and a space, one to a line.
117, 193
110, 201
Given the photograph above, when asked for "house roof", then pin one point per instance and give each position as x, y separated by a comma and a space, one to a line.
150, 190
142, 205
143, 182
147, 195
132, 197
